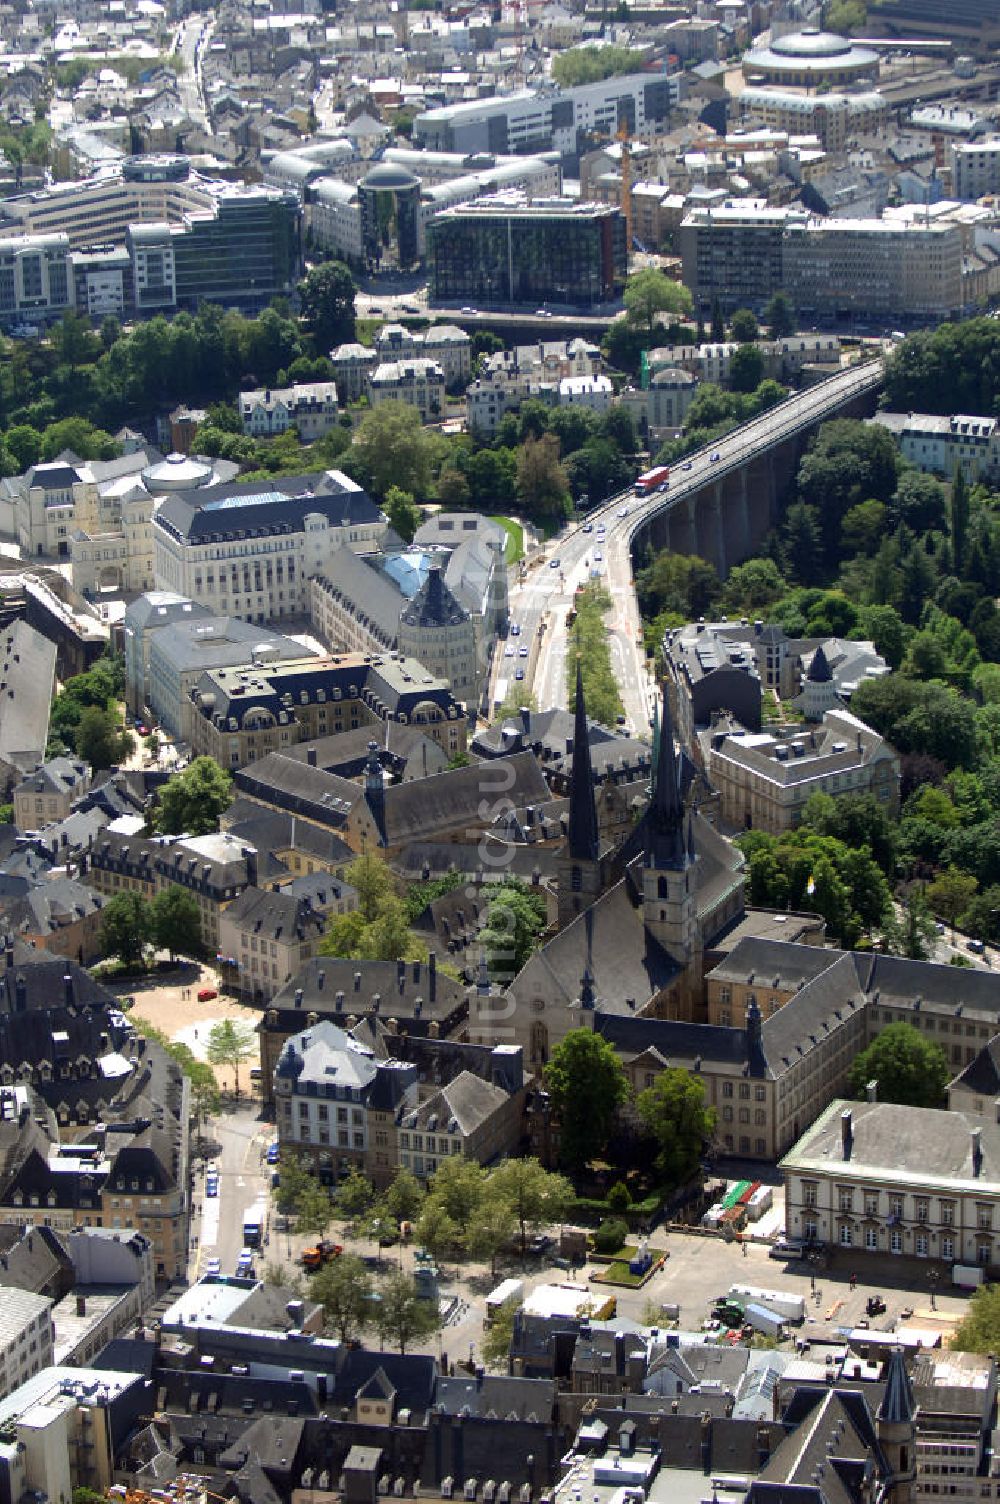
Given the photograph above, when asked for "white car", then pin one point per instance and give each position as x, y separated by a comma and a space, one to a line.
509, 651
214, 1266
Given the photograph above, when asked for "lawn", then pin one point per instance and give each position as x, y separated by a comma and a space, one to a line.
514, 550
619, 1273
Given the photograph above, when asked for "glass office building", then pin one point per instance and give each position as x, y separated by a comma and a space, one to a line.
507, 251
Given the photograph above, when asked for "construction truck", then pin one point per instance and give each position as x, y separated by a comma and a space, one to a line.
320, 1253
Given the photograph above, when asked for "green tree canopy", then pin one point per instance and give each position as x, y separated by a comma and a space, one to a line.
192, 800
674, 1112
589, 65
379, 928
401, 1313
101, 740
542, 482
125, 927
515, 918
326, 295
979, 1329
229, 1044
175, 920
535, 1197
650, 292
779, 316
403, 515
395, 450
587, 1085
344, 1290
743, 327
909, 1068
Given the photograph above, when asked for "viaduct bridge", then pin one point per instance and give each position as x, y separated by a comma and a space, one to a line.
721, 503
723, 500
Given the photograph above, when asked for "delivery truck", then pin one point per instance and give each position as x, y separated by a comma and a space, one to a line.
763, 1320
509, 1291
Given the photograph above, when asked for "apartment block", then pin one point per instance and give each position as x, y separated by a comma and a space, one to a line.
532, 120
835, 119
899, 266
25, 1337
892, 1180
418, 381
765, 779
337, 1104
976, 168
242, 715
942, 445
310, 407
249, 550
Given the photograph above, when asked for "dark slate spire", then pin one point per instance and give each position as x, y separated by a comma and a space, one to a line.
584, 842
665, 846
819, 668
897, 1403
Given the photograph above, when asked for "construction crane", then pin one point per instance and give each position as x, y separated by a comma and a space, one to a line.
623, 137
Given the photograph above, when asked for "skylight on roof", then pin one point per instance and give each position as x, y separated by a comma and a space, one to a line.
231, 503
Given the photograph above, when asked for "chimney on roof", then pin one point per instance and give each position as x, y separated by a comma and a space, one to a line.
20, 994
9, 952
68, 990
846, 1132
432, 972
977, 1152
250, 857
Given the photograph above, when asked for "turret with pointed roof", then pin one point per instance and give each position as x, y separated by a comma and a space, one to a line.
896, 1427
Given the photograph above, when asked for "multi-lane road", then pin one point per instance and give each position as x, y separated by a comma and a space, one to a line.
190, 44
603, 543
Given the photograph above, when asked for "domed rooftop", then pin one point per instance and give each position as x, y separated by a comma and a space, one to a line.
809, 57
671, 376
389, 177
178, 472
811, 42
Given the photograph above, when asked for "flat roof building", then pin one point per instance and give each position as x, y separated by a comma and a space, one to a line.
506, 250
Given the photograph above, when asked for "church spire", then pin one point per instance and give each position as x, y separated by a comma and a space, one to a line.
665, 845
584, 842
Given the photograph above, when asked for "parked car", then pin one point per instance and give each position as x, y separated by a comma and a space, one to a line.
206, 994
787, 1249
273, 1153
515, 629
212, 1186
553, 563
214, 1266
520, 674
510, 651
522, 651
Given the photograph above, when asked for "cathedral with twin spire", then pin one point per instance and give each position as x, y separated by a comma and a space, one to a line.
635, 919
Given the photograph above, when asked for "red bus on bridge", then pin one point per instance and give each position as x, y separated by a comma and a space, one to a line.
652, 480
